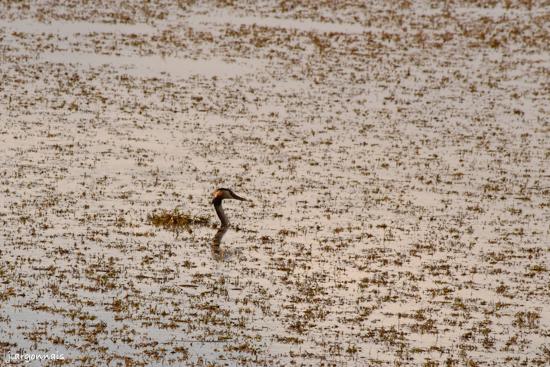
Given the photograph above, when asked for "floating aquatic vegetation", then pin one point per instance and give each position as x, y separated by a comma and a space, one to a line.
174, 220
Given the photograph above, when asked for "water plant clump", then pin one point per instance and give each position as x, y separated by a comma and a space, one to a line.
174, 220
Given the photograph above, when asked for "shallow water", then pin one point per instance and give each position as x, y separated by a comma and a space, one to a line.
153, 65
72, 28
396, 168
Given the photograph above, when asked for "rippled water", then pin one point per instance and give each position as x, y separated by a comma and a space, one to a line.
398, 213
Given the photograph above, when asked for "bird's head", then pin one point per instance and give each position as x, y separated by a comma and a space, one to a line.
221, 194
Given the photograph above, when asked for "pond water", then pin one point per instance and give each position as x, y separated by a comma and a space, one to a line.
397, 174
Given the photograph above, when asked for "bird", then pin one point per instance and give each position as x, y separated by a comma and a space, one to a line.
219, 195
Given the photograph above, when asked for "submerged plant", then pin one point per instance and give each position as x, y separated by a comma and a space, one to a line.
174, 220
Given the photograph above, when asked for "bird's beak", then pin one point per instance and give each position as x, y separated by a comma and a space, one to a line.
237, 197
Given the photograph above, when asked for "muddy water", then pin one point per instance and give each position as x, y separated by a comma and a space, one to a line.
396, 160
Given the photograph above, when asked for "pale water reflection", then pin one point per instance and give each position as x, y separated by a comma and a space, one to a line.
68, 29
153, 65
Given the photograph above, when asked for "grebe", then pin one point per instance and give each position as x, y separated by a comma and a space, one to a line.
219, 195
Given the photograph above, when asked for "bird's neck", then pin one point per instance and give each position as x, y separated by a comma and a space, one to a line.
219, 211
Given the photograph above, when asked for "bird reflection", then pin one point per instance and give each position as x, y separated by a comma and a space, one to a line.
217, 252
219, 235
